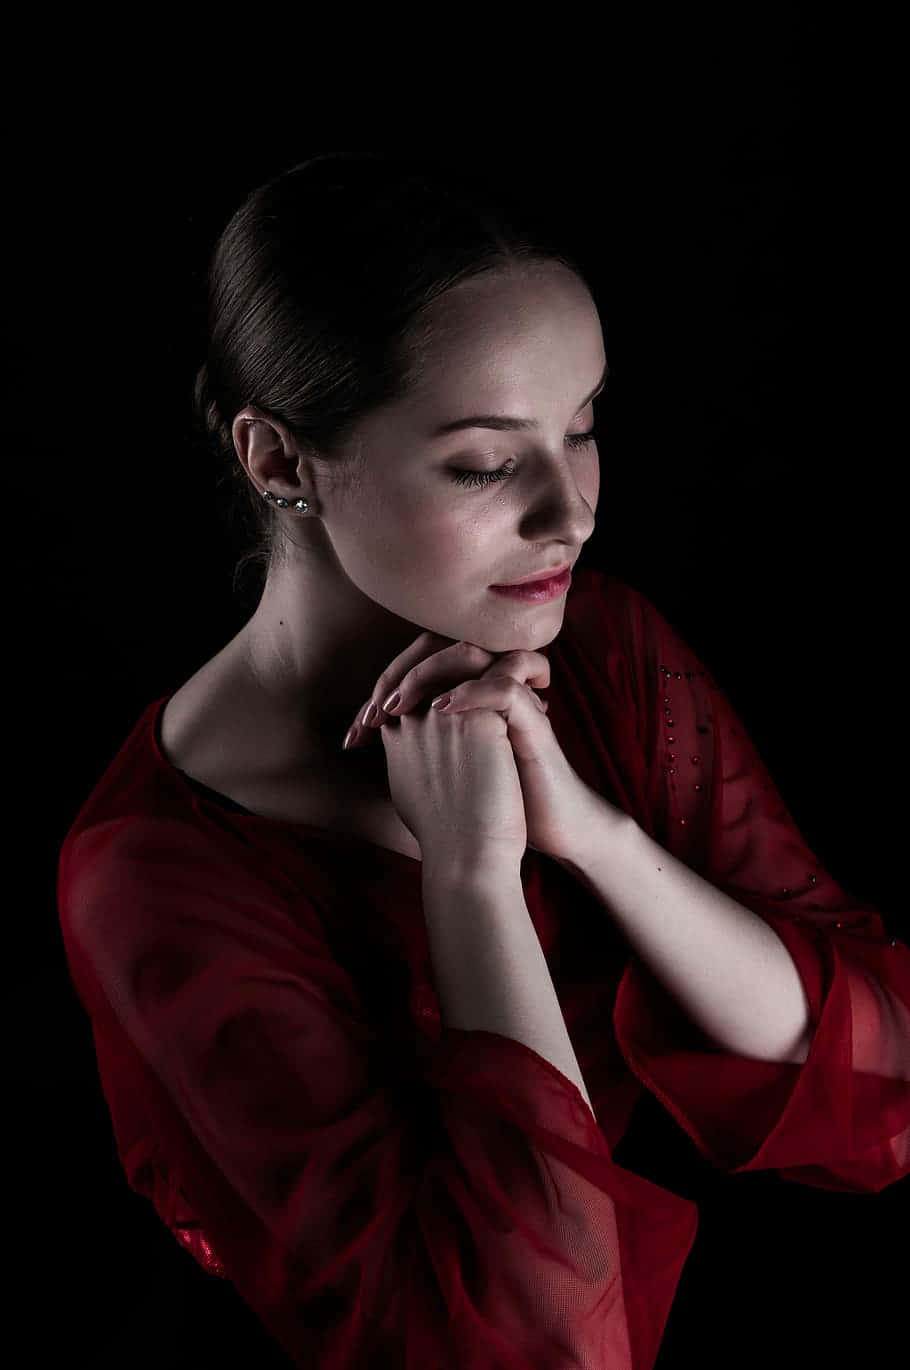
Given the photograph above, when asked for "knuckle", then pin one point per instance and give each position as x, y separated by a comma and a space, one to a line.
412, 679
535, 663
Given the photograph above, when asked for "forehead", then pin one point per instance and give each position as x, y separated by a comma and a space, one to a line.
497, 345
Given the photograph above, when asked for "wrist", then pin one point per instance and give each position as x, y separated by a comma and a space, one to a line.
602, 826
489, 868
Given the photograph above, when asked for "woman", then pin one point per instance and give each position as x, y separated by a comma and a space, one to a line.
372, 1019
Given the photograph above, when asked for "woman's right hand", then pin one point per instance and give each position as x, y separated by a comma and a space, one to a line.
455, 786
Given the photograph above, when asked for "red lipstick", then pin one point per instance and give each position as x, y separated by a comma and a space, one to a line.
547, 574
539, 588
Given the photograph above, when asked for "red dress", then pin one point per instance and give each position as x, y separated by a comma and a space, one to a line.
385, 1191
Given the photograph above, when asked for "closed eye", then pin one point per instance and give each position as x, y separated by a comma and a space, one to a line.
503, 472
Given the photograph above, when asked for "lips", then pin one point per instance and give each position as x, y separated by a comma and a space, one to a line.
549, 574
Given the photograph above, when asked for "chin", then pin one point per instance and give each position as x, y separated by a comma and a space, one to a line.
529, 638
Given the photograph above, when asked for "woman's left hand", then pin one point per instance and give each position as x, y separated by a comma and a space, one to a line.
558, 804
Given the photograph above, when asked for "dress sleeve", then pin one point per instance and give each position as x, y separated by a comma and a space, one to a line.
461, 1210
840, 1119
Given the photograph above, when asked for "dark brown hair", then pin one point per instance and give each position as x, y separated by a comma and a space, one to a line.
316, 298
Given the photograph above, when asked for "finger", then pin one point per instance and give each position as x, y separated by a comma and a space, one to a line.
450, 665
532, 667
425, 671
428, 645
529, 731
360, 736
499, 693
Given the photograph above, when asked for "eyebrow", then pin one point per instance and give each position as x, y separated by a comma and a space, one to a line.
506, 423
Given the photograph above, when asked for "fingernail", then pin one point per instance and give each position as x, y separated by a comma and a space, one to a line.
393, 700
369, 714
349, 737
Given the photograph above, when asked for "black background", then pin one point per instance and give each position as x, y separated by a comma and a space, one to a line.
732, 188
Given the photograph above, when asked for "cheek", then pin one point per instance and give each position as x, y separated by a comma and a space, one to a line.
423, 541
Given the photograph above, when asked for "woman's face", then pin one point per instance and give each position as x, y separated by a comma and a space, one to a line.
435, 518
412, 531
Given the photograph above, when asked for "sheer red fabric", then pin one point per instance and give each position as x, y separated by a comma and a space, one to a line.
386, 1191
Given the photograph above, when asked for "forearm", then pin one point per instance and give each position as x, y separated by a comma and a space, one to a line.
490, 971
726, 967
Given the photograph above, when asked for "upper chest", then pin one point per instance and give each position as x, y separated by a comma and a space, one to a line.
213, 742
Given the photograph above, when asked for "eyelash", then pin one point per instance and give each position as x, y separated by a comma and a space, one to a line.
488, 477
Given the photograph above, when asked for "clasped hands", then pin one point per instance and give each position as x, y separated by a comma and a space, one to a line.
559, 807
